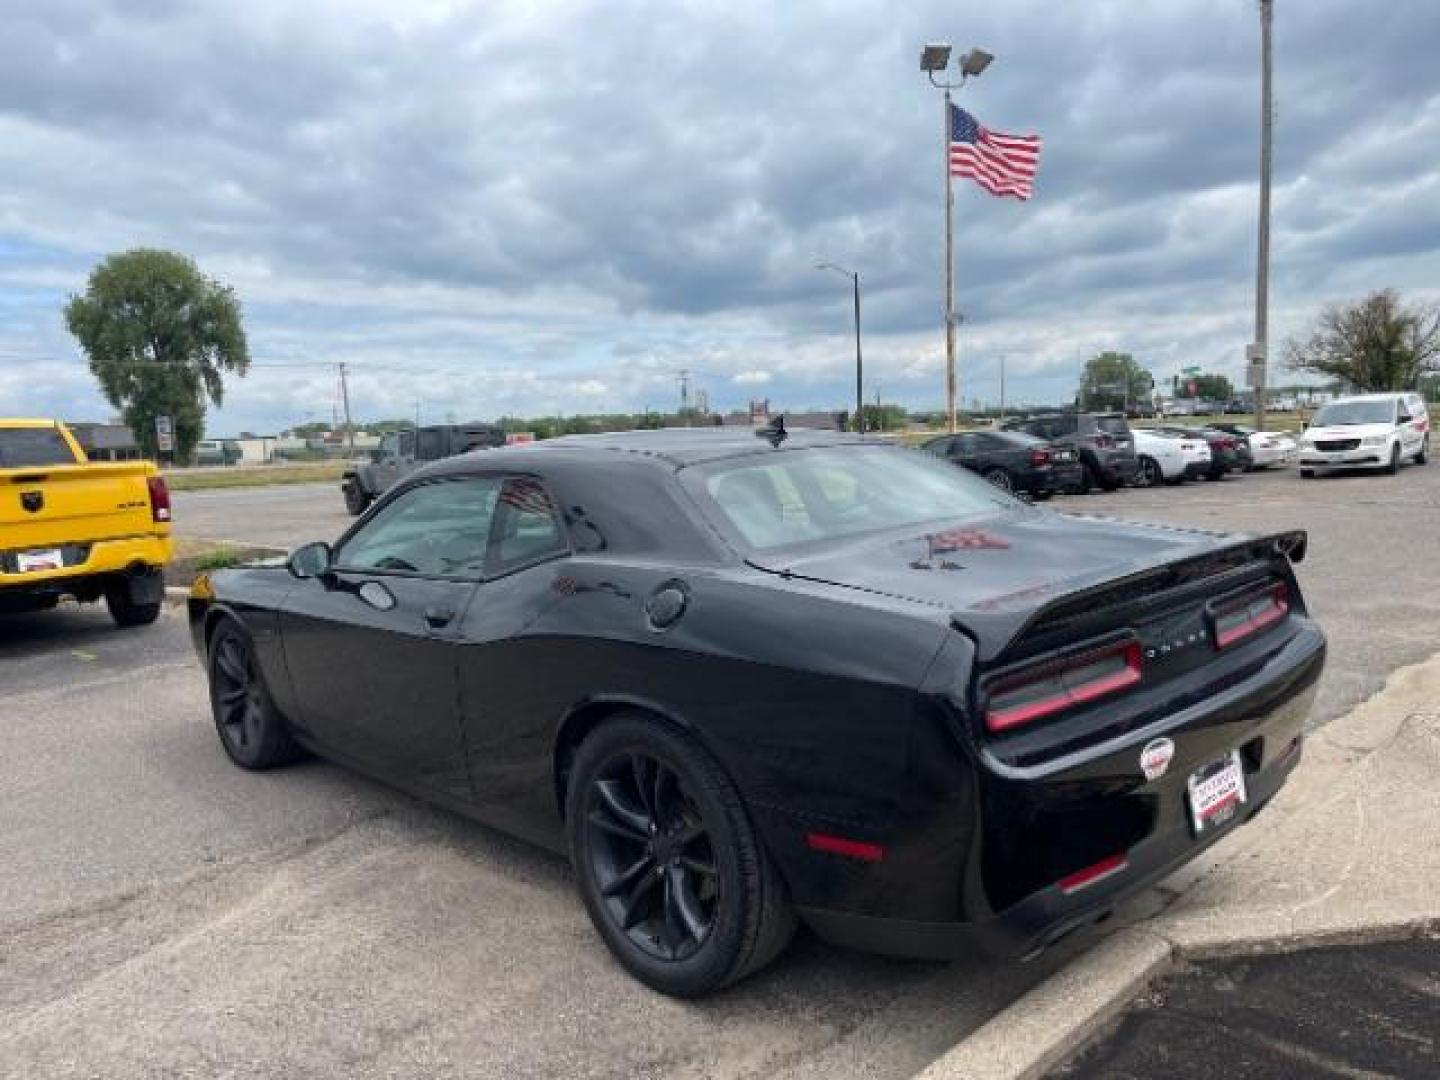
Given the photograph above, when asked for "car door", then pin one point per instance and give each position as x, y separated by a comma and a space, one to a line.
372, 645
1406, 429
508, 680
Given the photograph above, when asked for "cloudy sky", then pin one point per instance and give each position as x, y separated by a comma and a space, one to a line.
501, 207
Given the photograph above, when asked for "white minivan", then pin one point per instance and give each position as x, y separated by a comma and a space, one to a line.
1369, 431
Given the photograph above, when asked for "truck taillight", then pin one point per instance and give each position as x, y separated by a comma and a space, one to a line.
1236, 620
159, 498
1052, 686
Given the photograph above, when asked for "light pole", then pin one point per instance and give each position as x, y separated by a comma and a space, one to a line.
934, 58
1262, 262
854, 276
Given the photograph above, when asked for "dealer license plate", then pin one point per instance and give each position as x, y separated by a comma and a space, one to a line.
1217, 792
50, 559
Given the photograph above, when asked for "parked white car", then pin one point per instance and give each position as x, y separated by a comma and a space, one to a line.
1167, 458
1369, 431
1267, 448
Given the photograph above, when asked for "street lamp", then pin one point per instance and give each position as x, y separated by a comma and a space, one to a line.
854, 276
934, 59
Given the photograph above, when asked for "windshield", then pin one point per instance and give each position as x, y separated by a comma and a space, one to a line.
1114, 425
801, 496
23, 447
1344, 413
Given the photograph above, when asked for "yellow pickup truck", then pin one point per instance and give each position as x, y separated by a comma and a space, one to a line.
69, 527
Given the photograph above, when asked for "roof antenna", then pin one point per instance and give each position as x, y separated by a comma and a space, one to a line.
774, 431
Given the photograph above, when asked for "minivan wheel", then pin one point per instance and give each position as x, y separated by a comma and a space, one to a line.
668, 864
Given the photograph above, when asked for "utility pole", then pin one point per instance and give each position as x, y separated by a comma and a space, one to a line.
345, 400
1258, 357
1002, 386
684, 378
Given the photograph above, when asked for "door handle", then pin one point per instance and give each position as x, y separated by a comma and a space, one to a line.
437, 618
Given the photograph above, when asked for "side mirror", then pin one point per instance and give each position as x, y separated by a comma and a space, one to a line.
310, 560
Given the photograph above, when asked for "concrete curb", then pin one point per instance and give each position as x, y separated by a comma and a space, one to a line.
1197, 919
1050, 1023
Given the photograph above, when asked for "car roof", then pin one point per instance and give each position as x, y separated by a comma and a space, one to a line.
690, 446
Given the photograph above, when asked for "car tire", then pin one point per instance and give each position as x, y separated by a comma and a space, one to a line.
1394, 466
356, 499
715, 908
1087, 479
1042, 496
1148, 473
1422, 456
1001, 479
1307, 474
124, 610
252, 732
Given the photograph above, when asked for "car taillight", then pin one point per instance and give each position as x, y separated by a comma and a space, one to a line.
159, 498
1104, 442
1039, 457
1226, 444
1056, 685
1236, 620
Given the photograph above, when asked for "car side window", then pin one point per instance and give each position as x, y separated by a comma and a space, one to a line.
527, 527
940, 447
435, 529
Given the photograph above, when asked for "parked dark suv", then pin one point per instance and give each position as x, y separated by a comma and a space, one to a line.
402, 452
1102, 441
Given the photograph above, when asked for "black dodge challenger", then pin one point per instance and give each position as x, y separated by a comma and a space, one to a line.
742, 680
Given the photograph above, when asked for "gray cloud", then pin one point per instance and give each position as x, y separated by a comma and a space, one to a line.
537, 193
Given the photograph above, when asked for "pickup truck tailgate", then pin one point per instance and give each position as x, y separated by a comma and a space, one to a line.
60, 504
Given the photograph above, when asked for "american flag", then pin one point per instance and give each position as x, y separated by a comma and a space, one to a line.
1001, 164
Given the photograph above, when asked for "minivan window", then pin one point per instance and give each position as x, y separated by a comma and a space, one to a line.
1346, 413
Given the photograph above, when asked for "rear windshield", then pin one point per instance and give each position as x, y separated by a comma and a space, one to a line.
23, 447
1341, 413
804, 496
1114, 425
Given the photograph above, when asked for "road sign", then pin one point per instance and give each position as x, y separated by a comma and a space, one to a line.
165, 434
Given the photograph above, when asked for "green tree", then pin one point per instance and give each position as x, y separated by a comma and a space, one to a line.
1113, 380
1379, 343
1212, 387
160, 337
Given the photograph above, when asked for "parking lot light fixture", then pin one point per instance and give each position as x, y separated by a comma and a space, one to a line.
934, 59
935, 56
975, 62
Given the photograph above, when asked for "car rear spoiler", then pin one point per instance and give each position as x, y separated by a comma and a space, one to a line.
997, 623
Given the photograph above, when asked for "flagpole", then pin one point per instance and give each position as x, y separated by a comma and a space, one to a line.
949, 270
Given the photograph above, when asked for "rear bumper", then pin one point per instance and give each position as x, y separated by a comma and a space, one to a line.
1099, 794
85, 562
1120, 468
1195, 469
1051, 477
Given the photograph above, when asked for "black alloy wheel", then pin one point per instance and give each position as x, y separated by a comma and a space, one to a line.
356, 500
669, 866
1149, 473
651, 856
1000, 478
252, 731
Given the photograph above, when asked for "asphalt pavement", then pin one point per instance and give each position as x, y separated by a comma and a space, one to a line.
1357, 1011
163, 913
